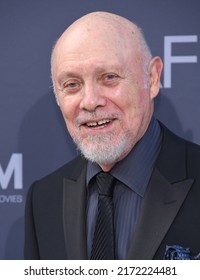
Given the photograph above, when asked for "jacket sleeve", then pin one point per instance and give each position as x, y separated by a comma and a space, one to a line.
31, 251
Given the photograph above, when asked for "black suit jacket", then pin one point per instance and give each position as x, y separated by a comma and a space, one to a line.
55, 217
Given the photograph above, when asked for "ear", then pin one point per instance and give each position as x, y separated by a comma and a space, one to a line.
155, 70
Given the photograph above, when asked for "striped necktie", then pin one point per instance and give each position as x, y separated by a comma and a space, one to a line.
103, 247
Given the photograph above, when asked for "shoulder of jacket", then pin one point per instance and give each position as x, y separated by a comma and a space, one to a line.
70, 170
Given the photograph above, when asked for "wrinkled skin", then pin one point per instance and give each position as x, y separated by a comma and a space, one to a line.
102, 87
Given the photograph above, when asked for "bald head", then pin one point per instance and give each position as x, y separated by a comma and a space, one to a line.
104, 23
101, 30
105, 82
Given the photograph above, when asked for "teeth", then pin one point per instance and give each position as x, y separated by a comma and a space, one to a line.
92, 124
102, 122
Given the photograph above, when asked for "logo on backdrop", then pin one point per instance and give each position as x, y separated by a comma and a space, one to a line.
11, 180
169, 59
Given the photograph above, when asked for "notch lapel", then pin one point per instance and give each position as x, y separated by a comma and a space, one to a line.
161, 205
74, 217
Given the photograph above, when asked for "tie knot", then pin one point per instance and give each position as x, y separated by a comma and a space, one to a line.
105, 183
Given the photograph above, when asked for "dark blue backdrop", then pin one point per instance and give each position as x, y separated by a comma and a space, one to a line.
33, 137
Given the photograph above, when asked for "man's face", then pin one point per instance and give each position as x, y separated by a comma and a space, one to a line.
102, 93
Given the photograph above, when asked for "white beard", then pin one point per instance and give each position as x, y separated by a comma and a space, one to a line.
100, 148
103, 148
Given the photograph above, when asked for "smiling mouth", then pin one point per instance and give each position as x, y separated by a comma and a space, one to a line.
99, 124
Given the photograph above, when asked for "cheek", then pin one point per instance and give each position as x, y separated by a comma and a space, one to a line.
69, 106
68, 110
136, 108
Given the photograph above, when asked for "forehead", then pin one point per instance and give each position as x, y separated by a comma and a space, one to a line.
83, 49
90, 59
89, 42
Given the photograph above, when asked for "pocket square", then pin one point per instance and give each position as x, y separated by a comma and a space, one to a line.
177, 252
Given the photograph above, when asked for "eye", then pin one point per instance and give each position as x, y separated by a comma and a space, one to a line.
110, 79
111, 76
72, 86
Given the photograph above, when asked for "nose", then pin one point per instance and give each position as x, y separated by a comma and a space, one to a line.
92, 98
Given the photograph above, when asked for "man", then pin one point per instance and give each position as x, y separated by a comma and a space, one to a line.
105, 82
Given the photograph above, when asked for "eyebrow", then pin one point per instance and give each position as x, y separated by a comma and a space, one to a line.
65, 74
98, 69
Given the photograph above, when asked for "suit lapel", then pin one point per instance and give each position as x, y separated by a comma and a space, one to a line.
161, 205
74, 216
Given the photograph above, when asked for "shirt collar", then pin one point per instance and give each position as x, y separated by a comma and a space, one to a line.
136, 168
